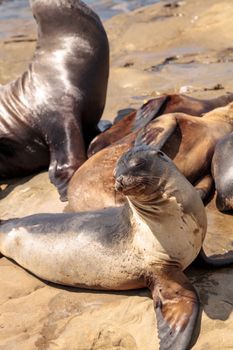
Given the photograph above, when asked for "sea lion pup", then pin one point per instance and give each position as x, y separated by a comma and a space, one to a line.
147, 242
152, 109
188, 140
222, 172
49, 115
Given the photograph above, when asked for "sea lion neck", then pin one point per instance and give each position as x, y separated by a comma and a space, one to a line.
224, 114
172, 195
152, 209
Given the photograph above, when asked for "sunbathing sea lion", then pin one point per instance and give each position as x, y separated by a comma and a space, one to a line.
147, 242
222, 172
188, 140
152, 109
49, 115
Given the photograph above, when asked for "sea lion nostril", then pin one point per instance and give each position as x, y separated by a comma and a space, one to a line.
119, 183
119, 179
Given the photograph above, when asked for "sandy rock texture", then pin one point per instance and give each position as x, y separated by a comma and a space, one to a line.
169, 47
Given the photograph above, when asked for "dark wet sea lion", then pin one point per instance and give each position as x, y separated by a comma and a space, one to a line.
49, 115
188, 140
128, 247
153, 109
222, 172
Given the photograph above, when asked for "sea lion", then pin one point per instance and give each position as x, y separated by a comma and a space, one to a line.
147, 242
188, 140
49, 115
222, 172
169, 103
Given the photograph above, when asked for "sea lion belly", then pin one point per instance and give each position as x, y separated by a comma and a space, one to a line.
81, 253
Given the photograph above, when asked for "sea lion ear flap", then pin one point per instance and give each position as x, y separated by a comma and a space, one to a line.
149, 111
177, 308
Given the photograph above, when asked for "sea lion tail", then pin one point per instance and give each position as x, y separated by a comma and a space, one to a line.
216, 260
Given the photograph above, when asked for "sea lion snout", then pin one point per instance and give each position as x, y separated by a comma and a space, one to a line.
127, 184
119, 183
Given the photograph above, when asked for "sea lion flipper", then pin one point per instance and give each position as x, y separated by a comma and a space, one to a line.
157, 132
67, 153
149, 111
205, 187
177, 307
214, 261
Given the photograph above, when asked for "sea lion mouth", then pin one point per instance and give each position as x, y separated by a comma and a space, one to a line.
129, 185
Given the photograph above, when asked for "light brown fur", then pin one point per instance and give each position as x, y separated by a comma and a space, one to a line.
187, 140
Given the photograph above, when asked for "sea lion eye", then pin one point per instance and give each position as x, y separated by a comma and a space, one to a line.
136, 163
161, 154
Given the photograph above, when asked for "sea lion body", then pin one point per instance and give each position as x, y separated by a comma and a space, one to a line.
92, 186
146, 242
94, 250
51, 112
187, 140
192, 145
222, 172
165, 104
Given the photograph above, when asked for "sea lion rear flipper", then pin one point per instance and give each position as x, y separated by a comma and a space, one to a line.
149, 111
214, 261
157, 132
177, 307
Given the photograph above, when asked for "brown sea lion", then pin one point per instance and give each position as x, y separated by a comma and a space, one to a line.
153, 109
49, 115
222, 172
188, 140
148, 242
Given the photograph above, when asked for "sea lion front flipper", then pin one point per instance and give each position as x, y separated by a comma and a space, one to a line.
149, 111
67, 151
176, 306
157, 132
205, 187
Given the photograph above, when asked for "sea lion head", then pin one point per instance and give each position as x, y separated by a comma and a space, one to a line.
141, 171
73, 5
60, 15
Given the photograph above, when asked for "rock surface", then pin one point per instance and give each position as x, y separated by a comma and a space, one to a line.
168, 47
